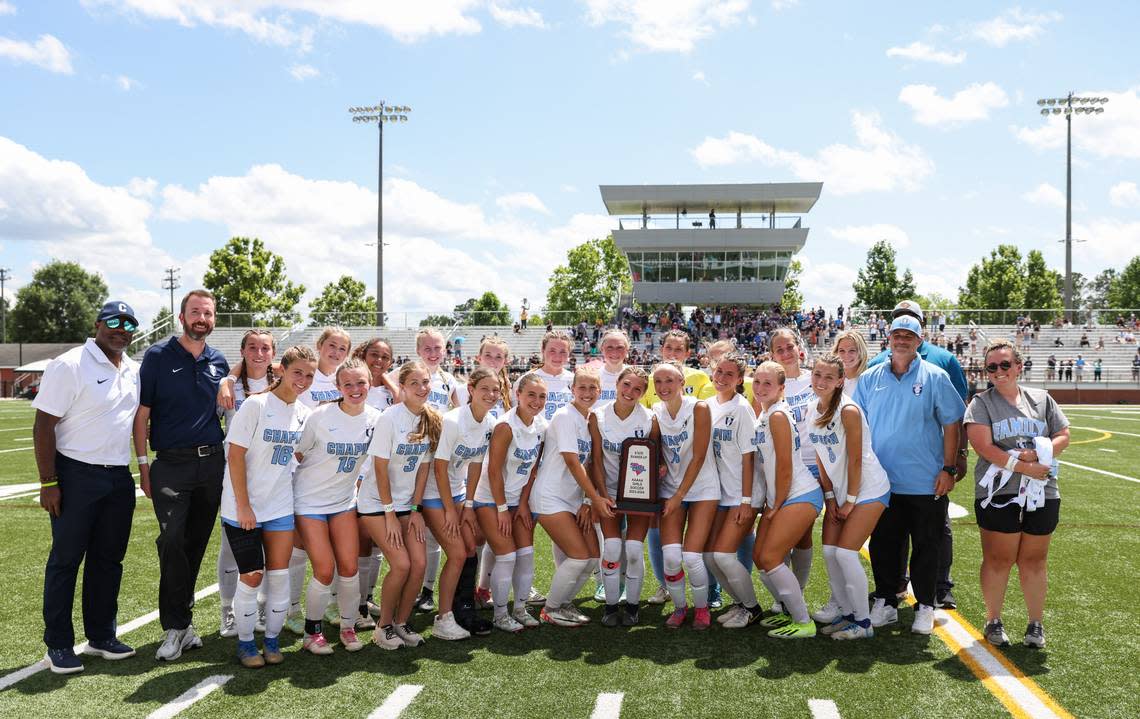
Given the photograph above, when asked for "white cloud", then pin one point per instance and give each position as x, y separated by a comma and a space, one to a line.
779, 5
1014, 25
301, 72
968, 105
699, 76
668, 25
1114, 133
517, 17
922, 52
867, 235
7, 8
826, 283
879, 161
47, 52
1124, 194
566, 187
126, 84
142, 187
1045, 194
521, 201
1109, 240
943, 275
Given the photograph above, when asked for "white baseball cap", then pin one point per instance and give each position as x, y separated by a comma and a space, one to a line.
909, 307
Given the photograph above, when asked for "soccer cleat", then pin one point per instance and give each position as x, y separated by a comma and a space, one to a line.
792, 630
508, 624
701, 619
364, 622
854, 630
373, 609
316, 644
175, 641
558, 617
445, 627
248, 655
572, 611
923, 619
483, 598
677, 618
426, 601
111, 649
744, 618
883, 614
600, 593
828, 613
610, 617
715, 600
629, 617
63, 661
994, 632
946, 600
727, 615
408, 635
1034, 636
349, 640
524, 617
228, 625
776, 621
259, 625
535, 598
777, 608
295, 622
387, 638
271, 650
659, 597
839, 624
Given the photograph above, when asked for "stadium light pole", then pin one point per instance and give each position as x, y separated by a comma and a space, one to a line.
170, 282
381, 114
5, 275
1068, 106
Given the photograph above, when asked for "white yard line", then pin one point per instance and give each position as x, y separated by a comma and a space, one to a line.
1110, 431
17, 449
11, 489
1099, 471
823, 709
607, 706
32, 669
14, 429
190, 696
1101, 416
397, 702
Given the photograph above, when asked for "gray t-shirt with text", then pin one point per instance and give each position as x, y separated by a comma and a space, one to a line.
1036, 414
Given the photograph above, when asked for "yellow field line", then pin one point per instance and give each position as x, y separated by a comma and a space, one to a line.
1104, 435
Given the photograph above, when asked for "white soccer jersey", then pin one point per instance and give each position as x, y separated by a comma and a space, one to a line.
323, 389
830, 443
269, 429
677, 445
255, 386
335, 448
802, 481
615, 430
609, 387
391, 441
555, 489
380, 398
558, 393
730, 440
522, 453
442, 385
463, 441
849, 385
800, 397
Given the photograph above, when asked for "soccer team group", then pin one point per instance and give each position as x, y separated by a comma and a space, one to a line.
336, 460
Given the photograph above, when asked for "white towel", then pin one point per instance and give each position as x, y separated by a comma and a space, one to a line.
1031, 492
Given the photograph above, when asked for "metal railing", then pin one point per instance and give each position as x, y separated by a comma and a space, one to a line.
1084, 316
727, 221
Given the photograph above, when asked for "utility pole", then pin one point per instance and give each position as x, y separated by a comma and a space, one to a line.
5, 275
170, 282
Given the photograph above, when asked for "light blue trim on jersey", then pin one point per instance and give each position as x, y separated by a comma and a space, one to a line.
437, 502
814, 498
883, 499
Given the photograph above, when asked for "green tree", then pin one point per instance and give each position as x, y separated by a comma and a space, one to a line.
1099, 287
996, 283
5, 318
437, 321
344, 302
877, 285
792, 299
249, 280
1041, 293
163, 317
934, 301
487, 310
59, 304
1124, 293
1082, 290
587, 286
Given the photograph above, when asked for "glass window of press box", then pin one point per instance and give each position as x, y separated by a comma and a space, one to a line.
709, 266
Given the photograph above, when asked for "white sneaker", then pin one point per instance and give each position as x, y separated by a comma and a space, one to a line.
535, 598
387, 638
228, 628
445, 627
175, 641
729, 614
259, 625
882, 615
853, 631
571, 611
316, 644
828, 613
507, 623
524, 617
364, 622
659, 597
741, 618
923, 620
373, 609
409, 635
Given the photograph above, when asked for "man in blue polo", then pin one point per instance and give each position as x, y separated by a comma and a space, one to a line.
179, 384
947, 361
914, 414
84, 415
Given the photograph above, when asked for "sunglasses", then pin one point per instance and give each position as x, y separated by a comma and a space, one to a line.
1004, 366
114, 323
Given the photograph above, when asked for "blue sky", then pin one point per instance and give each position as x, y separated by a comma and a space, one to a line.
140, 134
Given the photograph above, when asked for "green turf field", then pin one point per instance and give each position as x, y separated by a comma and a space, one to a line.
1088, 668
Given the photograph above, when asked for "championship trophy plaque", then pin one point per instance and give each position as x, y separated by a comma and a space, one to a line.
637, 477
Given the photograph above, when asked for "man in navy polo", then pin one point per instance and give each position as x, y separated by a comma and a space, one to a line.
179, 384
914, 414
947, 361
85, 411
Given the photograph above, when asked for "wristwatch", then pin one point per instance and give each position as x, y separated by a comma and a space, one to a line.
950, 470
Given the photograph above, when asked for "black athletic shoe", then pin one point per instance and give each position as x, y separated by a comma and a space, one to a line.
946, 600
426, 601
610, 617
629, 617
473, 623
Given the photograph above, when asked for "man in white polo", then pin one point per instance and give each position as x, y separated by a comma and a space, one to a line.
85, 411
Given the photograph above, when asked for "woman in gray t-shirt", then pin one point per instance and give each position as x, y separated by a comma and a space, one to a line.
1016, 518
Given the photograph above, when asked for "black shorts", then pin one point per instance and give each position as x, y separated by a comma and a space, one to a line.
404, 513
1012, 519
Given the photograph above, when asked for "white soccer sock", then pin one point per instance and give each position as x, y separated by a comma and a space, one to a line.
634, 571
854, 581
835, 578
523, 576
558, 554
369, 568
276, 600
227, 573
431, 569
767, 582
789, 593
501, 577
698, 578
245, 610
736, 578
348, 599
801, 565
713, 571
486, 565
317, 599
584, 577
565, 577
611, 569
298, 563
674, 575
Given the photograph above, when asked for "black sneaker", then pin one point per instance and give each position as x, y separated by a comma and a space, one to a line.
1034, 636
473, 623
629, 617
426, 601
946, 600
109, 649
63, 661
610, 617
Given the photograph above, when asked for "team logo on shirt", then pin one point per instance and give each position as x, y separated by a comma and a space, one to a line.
917, 388
689, 390
729, 420
639, 433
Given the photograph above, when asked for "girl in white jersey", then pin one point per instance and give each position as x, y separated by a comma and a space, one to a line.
376, 354
793, 499
333, 346
257, 501
458, 462
567, 501
556, 346
856, 493
691, 490
614, 349
494, 353
502, 500
732, 431
255, 375
851, 348
612, 424
403, 442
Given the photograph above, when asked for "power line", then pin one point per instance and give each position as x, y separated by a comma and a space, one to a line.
170, 282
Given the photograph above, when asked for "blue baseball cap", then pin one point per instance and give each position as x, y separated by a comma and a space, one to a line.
908, 323
116, 308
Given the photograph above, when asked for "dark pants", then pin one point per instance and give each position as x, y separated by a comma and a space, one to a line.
186, 492
922, 520
945, 561
93, 528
